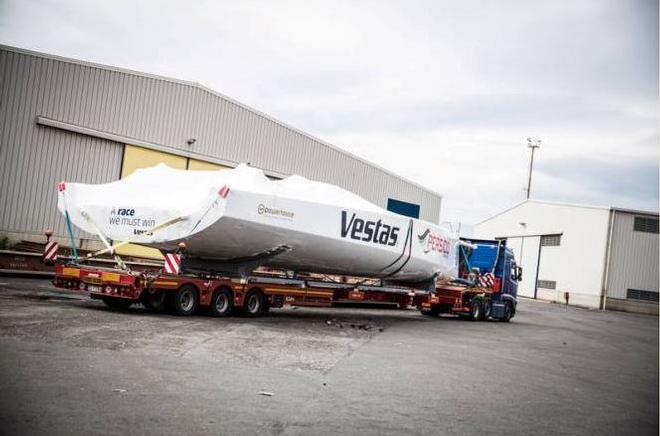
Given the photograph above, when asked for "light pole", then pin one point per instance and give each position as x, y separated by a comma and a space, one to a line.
533, 144
522, 242
522, 245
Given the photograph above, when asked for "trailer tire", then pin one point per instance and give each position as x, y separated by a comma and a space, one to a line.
222, 302
488, 308
254, 303
508, 311
186, 300
476, 309
117, 303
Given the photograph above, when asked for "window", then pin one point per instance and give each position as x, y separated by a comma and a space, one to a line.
550, 240
636, 294
646, 224
403, 208
547, 284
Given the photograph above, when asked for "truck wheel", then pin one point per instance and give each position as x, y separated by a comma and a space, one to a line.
253, 305
222, 303
186, 300
117, 303
154, 301
476, 310
508, 311
488, 308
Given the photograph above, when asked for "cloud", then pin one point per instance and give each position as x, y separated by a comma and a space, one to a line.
631, 182
441, 92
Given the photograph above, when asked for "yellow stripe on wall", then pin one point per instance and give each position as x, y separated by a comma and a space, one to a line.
194, 164
138, 157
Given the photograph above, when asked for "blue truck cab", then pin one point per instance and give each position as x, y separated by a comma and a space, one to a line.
486, 287
491, 264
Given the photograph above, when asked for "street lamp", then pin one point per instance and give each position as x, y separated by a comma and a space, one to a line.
522, 241
533, 144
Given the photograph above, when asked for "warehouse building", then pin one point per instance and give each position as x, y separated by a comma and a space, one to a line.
65, 119
597, 257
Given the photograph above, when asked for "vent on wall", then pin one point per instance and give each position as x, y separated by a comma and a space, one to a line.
636, 294
645, 224
547, 284
551, 240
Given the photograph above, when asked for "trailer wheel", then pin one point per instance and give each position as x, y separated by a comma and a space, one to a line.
508, 311
476, 310
117, 303
488, 308
186, 300
222, 303
254, 303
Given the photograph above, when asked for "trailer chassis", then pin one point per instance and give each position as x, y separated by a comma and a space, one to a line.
223, 295
473, 302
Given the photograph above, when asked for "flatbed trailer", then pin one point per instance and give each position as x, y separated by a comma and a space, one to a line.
474, 296
472, 302
255, 295
222, 295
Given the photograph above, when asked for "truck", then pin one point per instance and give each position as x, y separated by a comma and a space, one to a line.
487, 286
485, 289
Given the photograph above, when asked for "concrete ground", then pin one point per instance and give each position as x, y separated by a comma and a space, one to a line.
70, 366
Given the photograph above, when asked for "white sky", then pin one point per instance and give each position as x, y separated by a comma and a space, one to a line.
441, 92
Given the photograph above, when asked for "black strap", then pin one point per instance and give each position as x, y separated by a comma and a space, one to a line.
406, 245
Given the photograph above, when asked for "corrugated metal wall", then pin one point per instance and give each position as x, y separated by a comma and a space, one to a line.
34, 158
633, 259
155, 110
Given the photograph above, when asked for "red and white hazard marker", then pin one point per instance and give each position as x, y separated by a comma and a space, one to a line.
50, 252
172, 263
487, 280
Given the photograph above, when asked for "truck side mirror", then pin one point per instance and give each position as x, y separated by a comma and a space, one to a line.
517, 273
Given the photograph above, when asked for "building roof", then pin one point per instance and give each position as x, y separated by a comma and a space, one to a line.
220, 95
559, 203
635, 211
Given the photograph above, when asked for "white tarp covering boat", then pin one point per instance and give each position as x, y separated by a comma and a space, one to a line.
229, 214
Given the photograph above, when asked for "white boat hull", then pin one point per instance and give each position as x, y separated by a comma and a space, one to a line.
329, 230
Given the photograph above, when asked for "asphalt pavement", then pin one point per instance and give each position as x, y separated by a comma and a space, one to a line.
71, 366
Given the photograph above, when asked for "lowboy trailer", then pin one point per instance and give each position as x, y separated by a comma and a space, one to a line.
477, 295
251, 296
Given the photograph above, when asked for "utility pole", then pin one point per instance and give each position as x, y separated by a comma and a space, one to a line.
533, 144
